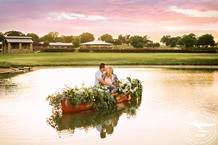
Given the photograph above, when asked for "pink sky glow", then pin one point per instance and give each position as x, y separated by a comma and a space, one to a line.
154, 18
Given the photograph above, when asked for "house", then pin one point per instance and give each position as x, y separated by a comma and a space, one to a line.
17, 44
96, 44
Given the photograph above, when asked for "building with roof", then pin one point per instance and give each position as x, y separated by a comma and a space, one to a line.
96, 44
60, 45
18, 44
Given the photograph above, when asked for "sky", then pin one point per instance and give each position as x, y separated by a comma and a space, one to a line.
154, 18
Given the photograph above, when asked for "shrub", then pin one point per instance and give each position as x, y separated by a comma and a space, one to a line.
83, 50
98, 97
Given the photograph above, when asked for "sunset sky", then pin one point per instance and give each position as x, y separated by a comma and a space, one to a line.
154, 18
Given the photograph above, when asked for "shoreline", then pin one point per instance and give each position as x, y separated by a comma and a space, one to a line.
34, 68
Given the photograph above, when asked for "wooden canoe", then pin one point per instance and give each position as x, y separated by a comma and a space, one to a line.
85, 106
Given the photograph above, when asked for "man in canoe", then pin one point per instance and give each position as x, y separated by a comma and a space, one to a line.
99, 80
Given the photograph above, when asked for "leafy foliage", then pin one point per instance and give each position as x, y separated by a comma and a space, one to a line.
86, 37
105, 36
46, 43
206, 40
98, 97
35, 37
186, 41
76, 41
14, 33
137, 41
106, 119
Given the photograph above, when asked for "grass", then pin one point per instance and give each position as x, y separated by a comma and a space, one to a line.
88, 59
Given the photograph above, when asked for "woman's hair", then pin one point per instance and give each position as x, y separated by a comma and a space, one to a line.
111, 72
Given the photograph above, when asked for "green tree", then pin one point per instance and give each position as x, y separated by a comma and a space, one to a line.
50, 37
206, 40
121, 38
46, 43
109, 40
186, 41
68, 39
173, 41
127, 39
35, 37
166, 40
14, 33
137, 41
86, 37
105, 36
156, 44
2, 37
192, 35
117, 42
60, 39
146, 39
76, 41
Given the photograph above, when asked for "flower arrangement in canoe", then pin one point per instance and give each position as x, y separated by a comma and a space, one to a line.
98, 97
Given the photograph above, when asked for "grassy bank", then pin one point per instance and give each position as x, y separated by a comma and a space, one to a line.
88, 59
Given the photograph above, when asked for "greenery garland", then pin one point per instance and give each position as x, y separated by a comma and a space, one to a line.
96, 95
107, 119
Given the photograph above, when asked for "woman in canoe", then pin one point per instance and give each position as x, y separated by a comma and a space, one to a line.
111, 78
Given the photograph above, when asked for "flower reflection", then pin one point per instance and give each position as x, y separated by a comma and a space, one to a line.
104, 121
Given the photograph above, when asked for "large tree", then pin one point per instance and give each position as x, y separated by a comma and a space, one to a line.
86, 37
68, 39
14, 33
170, 41
2, 37
166, 40
76, 41
117, 42
137, 41
186, 41
35, 37
60, 39
50, 37
105, 36
127, 39
206, 40
109, 40
121, 38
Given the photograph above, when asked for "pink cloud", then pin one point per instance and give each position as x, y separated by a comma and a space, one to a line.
150, 17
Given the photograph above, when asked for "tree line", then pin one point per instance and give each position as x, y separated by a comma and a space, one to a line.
185, 41
188, 41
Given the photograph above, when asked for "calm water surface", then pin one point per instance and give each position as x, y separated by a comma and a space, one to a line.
169, 97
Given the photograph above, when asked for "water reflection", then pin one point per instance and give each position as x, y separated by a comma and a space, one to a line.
104, 120
169, 96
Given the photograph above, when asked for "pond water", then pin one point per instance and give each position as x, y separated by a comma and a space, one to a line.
178, 106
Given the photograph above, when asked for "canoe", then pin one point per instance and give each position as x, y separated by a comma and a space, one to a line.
85, 106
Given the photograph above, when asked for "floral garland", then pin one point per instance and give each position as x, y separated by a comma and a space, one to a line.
96, 95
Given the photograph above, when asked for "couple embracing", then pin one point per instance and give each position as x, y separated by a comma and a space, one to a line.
105, 76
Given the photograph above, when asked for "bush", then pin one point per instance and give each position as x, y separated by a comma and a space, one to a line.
46, 43
76, 41
98, 97
137, 41
83, 50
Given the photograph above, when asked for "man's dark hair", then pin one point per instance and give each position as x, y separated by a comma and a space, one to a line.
102, 65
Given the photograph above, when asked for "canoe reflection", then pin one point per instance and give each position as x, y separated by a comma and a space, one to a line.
104, 120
